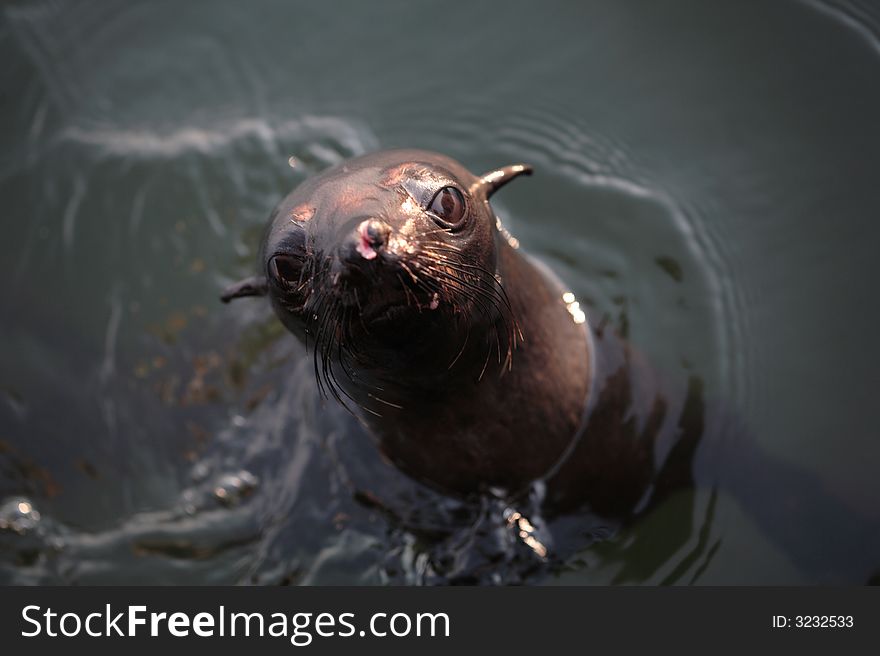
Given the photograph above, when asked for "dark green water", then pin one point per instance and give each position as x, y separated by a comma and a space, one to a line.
706, 172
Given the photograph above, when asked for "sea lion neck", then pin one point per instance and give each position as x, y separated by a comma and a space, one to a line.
511, 425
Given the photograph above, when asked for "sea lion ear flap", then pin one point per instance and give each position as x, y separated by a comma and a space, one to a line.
256, 286
492, 181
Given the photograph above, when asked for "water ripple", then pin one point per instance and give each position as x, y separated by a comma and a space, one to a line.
853, 16
147, 143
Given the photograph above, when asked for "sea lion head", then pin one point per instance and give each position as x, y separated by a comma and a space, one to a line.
387, 263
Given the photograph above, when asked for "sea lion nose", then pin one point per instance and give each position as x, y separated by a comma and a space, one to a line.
371, 236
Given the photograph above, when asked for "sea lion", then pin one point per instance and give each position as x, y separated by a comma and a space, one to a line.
470, 362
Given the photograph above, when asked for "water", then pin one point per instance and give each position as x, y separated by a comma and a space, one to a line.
706, 178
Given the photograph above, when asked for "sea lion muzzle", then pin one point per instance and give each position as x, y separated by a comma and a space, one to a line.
370, 237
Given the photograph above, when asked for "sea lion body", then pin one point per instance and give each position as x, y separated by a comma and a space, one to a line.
473, 368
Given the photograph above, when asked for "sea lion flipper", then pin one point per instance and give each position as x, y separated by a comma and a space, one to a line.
492, 181
254, 286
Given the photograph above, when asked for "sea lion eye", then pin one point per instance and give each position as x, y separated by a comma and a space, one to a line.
285, 270
448, 207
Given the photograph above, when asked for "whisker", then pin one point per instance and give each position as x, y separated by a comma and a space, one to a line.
380, 400
461, 280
